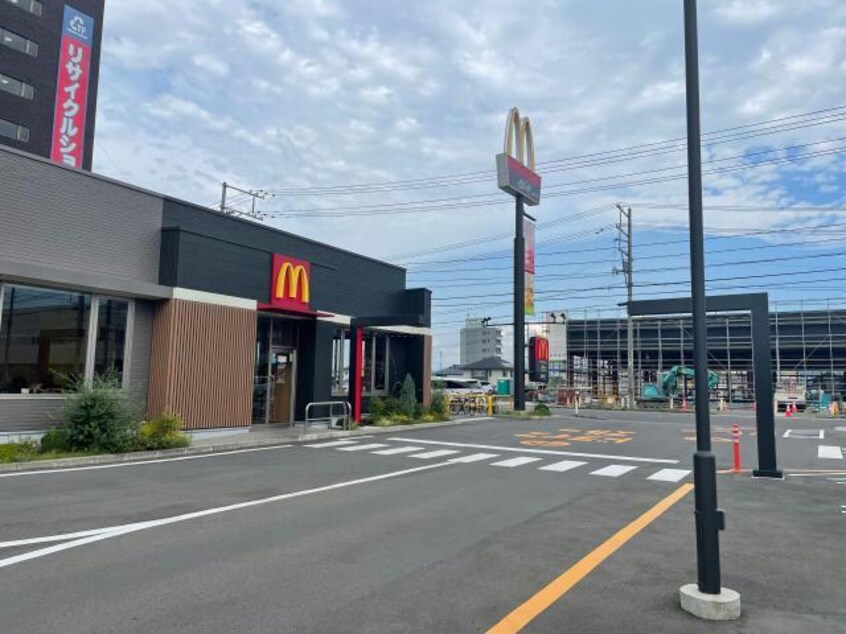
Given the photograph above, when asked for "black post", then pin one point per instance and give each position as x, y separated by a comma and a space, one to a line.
709, 520
519, 309
765, 414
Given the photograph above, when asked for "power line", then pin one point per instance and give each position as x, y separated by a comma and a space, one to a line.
461, 178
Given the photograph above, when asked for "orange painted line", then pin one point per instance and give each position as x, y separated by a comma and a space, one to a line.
524, 614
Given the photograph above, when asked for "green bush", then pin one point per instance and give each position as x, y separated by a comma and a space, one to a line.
407, 405
541, 410
164, 432
57, 439
98, 417
439, 409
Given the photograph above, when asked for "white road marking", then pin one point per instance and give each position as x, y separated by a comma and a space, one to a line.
62, 537
669, 475
816, 475
564, 465
136, 463
829, 452
805, 434
475, 457
434, 454
514, 462
374, 445
131, 528
332, 443
398, 450
613, 471
546, 452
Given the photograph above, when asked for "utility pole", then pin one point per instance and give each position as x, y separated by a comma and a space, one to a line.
627, 269
254, 195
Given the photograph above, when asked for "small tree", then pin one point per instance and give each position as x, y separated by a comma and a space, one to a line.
408, 397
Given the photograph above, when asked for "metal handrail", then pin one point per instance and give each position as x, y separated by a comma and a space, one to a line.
346, 414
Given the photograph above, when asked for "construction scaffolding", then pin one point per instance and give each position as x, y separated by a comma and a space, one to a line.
808, 351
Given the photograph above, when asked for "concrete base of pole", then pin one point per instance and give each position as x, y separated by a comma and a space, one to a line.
711, 607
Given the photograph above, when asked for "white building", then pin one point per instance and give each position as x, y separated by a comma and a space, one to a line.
479, 341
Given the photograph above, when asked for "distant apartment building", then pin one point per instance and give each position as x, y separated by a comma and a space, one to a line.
479, 341
49, 70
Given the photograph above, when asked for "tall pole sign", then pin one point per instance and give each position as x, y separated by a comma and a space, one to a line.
709, 519
515, 170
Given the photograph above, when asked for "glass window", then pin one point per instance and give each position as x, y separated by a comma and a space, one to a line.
340, 362
18, 42
43, 339
33, 6
17, 88
380, 363
14, 131
112, 319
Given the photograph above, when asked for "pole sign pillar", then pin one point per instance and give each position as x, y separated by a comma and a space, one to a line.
515, 169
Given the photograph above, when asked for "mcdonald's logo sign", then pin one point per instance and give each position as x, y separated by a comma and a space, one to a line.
515, 167
539, 359
290, 283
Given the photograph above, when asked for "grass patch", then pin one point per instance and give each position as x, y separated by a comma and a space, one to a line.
30, 452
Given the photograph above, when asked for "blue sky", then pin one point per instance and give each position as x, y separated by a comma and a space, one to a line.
292, 95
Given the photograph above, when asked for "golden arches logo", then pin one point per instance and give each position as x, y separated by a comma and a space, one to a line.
292, 283
518, 132
542, 349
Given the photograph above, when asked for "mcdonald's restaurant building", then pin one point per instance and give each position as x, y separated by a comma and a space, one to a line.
224, 321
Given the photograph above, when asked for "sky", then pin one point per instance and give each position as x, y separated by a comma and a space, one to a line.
374, 125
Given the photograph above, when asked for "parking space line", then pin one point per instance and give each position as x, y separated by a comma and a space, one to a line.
528, 611
514, 462
546, 452
669, 475
564, 465
476, 457
613, 471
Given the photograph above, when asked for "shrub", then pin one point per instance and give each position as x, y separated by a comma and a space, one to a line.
439, 409
378, 409
57, 439
164, 432
541, 410
98, 416
408, 397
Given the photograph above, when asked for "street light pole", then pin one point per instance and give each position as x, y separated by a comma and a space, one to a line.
709, 519
519, 308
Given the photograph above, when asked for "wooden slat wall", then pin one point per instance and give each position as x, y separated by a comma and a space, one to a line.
427, 371
202, 364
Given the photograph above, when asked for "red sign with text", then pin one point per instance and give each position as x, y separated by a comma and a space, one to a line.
72, 88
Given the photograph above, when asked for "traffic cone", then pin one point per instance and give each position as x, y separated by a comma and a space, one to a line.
684, 404
795, 409
788, 411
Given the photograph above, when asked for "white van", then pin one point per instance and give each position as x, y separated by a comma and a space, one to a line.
457, 385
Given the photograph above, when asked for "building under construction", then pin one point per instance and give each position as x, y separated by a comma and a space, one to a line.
808, 353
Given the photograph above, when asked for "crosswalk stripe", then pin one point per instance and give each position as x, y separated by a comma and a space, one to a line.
434, 454
333, 443
613, 471
363, 447
564, 465
515, 462
829, 452
669, 475
476, 457
397, 450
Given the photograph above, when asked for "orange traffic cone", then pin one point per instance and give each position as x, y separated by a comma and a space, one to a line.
788, 411
795, 409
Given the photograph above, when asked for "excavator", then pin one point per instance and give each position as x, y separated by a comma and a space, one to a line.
668, 386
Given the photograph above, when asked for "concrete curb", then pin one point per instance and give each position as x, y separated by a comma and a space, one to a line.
140, 456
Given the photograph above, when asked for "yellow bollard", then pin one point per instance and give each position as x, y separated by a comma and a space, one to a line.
490, 405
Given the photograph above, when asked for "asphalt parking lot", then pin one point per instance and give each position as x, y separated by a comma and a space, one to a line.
478, 527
